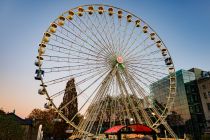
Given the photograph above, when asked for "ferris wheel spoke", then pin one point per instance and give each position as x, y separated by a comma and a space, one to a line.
105, 28
110, 31
144, 96
142, 91
142, 79
128, 53
73, 67
147, 60
57, 94
134, 109
88, 37
95, 36
129, 46
65, 78
67, 51
75, 45
139, 104
91, 84
125, 45
68, 61
121, 111
123, 95
100, 94
141, 44
68, 58
102, 32
153, 65
151, 78
114, 34
139, 57
123, 37
103, 89
150, 70
149, 66
87, 100
138, 52
118, 35
62, 40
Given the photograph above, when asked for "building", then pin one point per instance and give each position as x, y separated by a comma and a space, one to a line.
180, 106
203, 83
191, 105
204, 88
26, 124
196, 125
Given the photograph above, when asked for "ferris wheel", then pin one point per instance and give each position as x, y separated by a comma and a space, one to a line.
112, 60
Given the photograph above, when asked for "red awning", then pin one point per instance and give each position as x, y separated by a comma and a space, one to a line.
136, 128
140, 128
114, 129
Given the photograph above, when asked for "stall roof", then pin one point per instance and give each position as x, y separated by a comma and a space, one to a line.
114, 129
135, 128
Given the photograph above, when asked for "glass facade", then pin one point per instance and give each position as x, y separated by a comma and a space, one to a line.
187, 108
160, 92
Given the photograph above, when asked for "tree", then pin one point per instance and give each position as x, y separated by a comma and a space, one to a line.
9, 127
44, 117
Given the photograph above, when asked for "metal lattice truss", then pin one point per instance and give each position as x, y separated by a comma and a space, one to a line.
115, 58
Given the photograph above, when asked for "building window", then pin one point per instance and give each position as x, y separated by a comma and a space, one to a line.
204, 86
208, 105
205, 95
209, 94
192, 89
191, 109
197, 108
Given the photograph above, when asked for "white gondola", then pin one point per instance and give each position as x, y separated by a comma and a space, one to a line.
38, 63
57, 120
69, 131
42, 91
48, 105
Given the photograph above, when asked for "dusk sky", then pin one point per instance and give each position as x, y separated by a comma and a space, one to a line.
183, 25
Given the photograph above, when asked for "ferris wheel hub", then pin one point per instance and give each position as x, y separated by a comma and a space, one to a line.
120, 59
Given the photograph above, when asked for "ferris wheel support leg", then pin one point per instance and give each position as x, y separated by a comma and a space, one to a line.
168, 128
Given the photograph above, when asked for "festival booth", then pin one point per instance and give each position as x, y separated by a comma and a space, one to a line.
134, 130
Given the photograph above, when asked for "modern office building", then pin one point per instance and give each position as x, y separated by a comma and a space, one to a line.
192, 103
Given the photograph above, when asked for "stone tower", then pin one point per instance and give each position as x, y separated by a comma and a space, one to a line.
70, 95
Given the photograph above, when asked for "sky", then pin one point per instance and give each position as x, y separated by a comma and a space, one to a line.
183, 25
